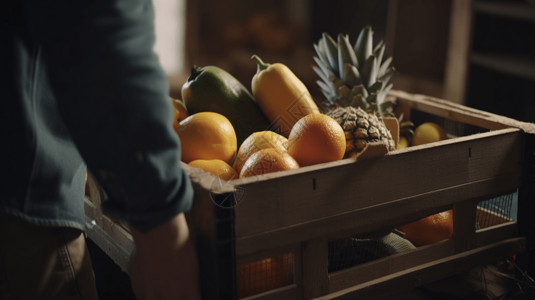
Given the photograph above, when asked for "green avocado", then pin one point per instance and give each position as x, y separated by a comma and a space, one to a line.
213, 89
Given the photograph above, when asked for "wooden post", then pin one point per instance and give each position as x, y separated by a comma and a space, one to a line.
315, 268
457, 55
464, 220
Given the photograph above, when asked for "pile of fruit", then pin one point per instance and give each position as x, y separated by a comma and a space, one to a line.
232, 132
227, 130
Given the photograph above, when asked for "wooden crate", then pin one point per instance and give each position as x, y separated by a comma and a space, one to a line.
298, 212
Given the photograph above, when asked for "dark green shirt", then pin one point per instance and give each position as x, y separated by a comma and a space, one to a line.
81, 85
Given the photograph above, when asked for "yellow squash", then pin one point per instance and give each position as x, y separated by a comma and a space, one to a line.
281, 95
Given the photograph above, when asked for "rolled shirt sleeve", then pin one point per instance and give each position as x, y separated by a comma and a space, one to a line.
113, 96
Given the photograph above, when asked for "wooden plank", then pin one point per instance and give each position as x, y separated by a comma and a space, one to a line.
287, 292
515, 10
212, 234
464, 224
273, 204
457, 52
496, 233
112, 237
441, 268
516, 65
459, 113
392, 264
373, 218
315, 266
112, 240
390, 34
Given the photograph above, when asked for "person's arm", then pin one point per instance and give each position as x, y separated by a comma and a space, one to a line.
167, 245
113, 97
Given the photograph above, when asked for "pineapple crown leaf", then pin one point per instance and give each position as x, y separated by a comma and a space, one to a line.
376, 87
369, 71
325, 68
384, 92
379, 50
386, 76
386, 109
353, 75
331, 51
321, 73
360, 90
385, 66
346, 55
364, 44
326, 90
320, 52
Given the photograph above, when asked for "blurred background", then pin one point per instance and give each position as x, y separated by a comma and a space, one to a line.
480, 53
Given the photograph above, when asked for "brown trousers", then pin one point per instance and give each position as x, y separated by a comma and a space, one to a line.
44, 262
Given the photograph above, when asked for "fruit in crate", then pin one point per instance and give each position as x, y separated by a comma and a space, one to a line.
355, 82
403, 143
281, 95
179, 111
216, 167
207, 135
406, 132
268, 161
264, 275
258, 141
428, 132
212, 89
316, 138
429, 230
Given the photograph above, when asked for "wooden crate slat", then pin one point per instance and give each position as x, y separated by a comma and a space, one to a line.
373, 218
111, 237
392, 264
274, 204
495, 233
457, 112
287, 292
429, 272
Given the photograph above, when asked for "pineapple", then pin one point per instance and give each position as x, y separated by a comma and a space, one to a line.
355, 82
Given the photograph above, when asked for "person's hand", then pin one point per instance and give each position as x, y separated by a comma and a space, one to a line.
164, 264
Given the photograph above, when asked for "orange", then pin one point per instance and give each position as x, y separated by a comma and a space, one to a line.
217, 167
207, 135
267, 161
253, 278
180, 111
316, 138
428, 133
429, 230
258, 141
264, 275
